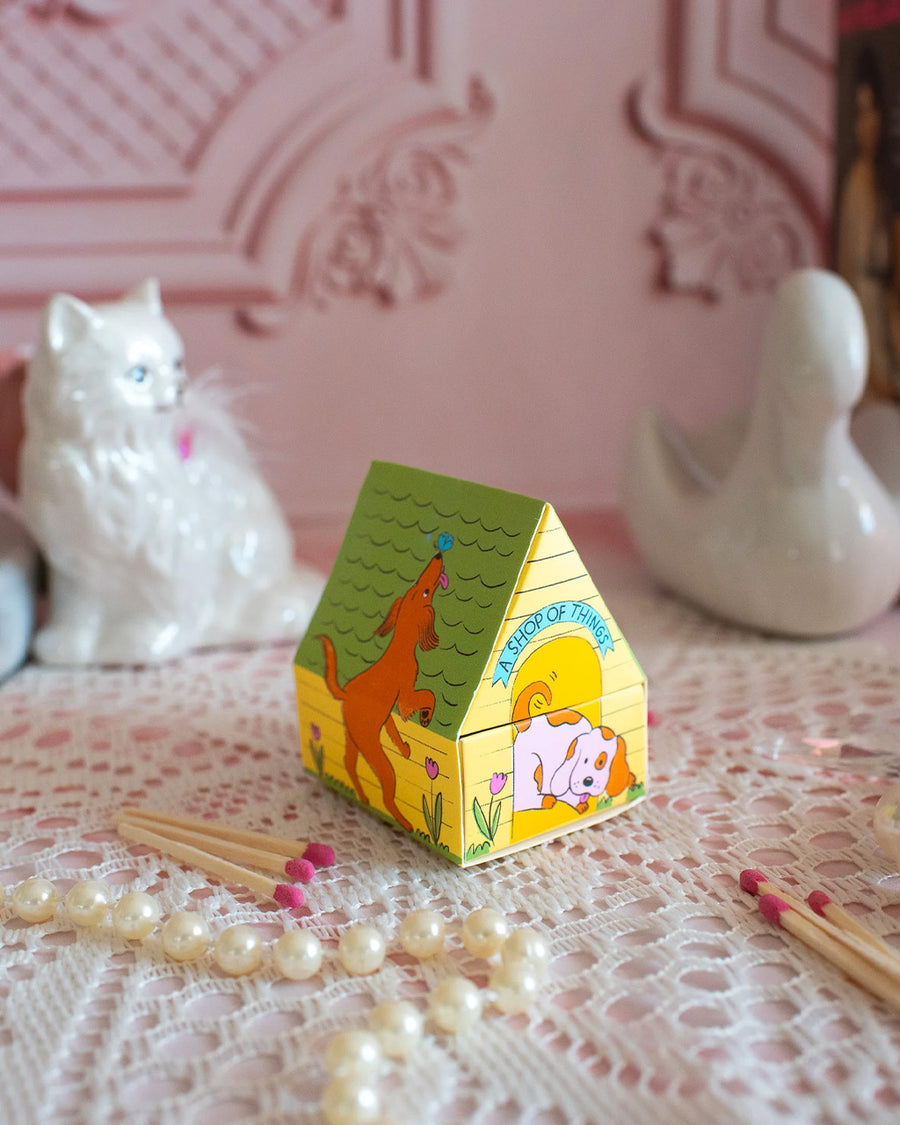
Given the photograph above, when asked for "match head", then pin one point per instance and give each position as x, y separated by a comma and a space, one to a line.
300, 870
319, 855
772, 907
818, 900
286, 894
750, 880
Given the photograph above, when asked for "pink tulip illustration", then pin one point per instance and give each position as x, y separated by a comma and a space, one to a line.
316, 749
490, 822
433, 812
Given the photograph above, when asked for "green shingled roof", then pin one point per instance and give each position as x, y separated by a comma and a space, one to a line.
402, 518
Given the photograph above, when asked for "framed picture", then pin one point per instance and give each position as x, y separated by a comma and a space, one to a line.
866, 242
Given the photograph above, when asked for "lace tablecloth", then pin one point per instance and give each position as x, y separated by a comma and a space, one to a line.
669, 997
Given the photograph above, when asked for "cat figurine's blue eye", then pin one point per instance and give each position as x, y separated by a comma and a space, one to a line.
139, 373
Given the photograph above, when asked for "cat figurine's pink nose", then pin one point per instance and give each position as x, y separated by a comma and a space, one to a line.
789, 531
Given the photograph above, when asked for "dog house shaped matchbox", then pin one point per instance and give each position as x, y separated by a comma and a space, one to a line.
461, 675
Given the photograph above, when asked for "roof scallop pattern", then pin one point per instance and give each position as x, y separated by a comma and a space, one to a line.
403, 517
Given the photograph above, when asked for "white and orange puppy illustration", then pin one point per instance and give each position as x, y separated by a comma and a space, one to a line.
559, 756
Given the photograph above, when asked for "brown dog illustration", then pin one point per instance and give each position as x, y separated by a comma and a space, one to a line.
369, 698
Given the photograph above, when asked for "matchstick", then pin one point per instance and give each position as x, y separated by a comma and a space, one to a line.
320, 855
285, 894
824, 906
299, 870
841, 956
756, 883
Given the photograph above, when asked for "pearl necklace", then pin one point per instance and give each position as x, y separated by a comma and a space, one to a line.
354, 1059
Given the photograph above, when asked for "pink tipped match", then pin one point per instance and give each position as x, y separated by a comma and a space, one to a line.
818, 900
750, 880
772, 907
320, 855
300, 870
288, 895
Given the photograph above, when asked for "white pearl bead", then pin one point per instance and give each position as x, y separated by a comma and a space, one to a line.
454, 1004
526, 944
238, 950
353, 1052
349, 1101
87, 902
515, 987
421, 933
35, 900
484, 931
298, 954
135, 915
185, 936
361, 950
399, 1026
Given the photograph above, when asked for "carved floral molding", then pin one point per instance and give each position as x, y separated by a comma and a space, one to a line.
391, 229
272, 155
742, 123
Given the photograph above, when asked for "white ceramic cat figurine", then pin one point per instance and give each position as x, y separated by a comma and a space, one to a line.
159, 534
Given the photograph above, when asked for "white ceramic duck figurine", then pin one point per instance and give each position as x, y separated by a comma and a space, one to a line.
793, 533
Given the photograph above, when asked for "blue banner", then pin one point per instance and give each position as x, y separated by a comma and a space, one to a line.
558, 613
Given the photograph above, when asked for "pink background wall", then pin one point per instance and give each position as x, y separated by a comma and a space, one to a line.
598, 226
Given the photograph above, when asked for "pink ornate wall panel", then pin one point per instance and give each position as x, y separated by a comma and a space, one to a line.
204, 142
743, 116
418, 229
